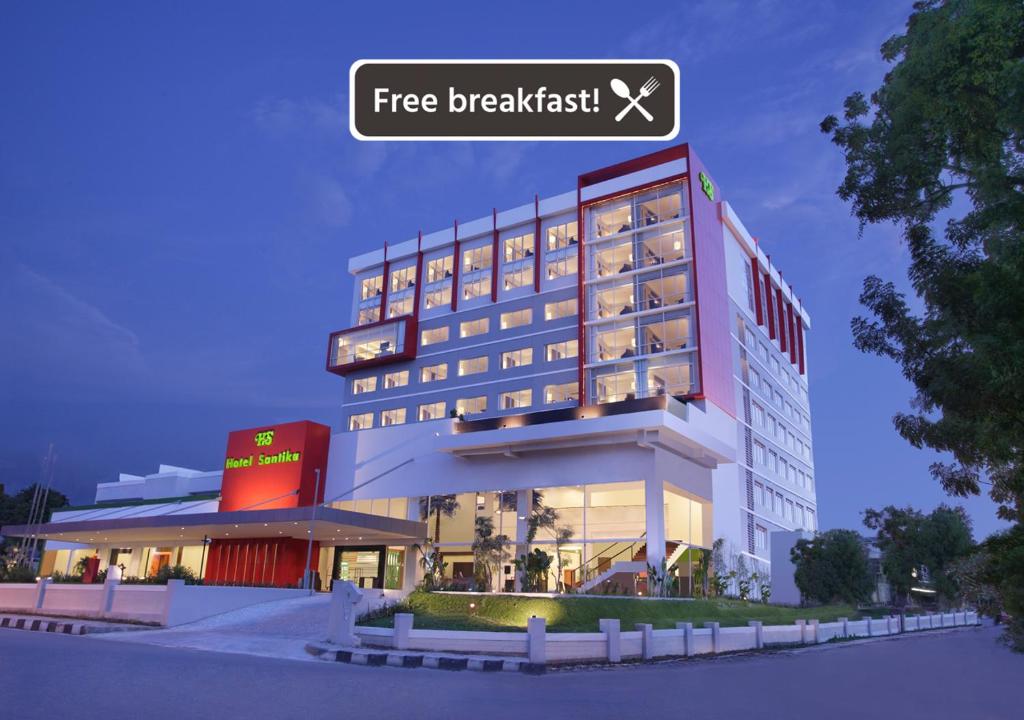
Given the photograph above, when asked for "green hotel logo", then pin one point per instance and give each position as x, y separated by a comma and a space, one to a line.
707, 186
265, 438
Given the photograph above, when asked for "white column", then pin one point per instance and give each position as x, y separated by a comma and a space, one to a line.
654, 499
413, 574
524, 506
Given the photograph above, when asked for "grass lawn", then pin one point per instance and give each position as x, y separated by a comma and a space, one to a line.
442, 611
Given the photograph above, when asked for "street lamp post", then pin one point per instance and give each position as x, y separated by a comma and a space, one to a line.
309, 544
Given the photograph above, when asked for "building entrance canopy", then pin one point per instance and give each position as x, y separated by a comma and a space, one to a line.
329, 527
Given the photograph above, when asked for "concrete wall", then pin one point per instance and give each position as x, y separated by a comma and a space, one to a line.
614, 644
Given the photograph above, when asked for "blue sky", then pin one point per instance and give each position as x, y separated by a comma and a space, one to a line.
179, 195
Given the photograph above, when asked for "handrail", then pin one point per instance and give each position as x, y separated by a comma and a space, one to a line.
586, 570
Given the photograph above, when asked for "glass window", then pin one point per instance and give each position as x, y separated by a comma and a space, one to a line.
518, 275
364, 385
403, 278
371, 287
659, 205
762, 500
392, 417
758, 415
431, 411
560, 309
665, 332
561, 350
759, 453
613, 217
516, 318
561, 236
612, 258
439, 269
369, 343
472, 406
434, 335
476, 287
616, 384
368, 315
664, 288
400, 305
615, 299
519, 247
674, 377
361, 421
616, 340
658, 247
471, 366
517, 358
760, 537
469, 328
433, 373
476, 259
396, 379
563, 392
516, 399
437, 297
561, 263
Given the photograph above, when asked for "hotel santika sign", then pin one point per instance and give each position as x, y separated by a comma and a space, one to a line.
264, 438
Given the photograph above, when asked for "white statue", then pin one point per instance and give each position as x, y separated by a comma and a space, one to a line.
342, 623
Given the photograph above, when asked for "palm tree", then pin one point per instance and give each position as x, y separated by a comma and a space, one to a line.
438, 505
489, 550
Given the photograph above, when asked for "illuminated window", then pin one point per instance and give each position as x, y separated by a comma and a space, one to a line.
478, 287
396, 379
516, 399
518, 248
472, 406
564, 392
561, 350
471, 366
362, 421
476, 259
517, 358
434, 335
403, 278
434, 373
476, 272
371, 287
431, 411
440, 297
518, 275
392, 417
368, 315
560, 309
517, 261
516, 318
670, 376
561, 263
364, 385
561, 236
469, 328
439, 269
615, 385
402, 305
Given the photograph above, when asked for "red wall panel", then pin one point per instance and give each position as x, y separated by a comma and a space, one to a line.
756, 277
279, 562
769, 304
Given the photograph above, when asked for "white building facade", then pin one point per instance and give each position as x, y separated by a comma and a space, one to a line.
624, 353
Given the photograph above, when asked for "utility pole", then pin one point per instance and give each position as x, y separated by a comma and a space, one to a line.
309, 545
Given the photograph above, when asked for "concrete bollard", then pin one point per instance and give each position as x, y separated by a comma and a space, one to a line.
687, 629
647, 637
171, 599
758, 633
812, 630
714, 627
41, 592
536, 639
403, 626
802, 624
107, 599
868, 618
611, 629
846, 626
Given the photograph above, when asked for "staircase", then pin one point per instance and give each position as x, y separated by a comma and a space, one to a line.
629, 569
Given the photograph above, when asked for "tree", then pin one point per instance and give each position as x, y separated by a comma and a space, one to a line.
14, 509
489, 550
547, 518
948, 124
833, 567
438, 505
992, 579
910, 540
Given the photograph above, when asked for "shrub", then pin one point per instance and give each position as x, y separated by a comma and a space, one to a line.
832, 567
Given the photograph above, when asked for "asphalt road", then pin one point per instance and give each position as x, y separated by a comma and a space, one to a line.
959, 674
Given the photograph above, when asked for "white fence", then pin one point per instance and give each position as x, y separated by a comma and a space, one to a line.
612, 644
173, 604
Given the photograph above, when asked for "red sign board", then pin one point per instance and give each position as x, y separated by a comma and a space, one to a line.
275, 466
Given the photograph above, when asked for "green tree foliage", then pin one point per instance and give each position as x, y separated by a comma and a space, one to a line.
833, 567
947, 124
992, 579
438, 505
489, 552
910, 540
14, 509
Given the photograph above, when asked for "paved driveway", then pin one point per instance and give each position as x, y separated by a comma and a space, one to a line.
955, 674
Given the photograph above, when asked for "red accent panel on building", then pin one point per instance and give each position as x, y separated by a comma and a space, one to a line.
800, 343
581, 307
659, 157
274, 466
769, 304
780, 306
456, 264
536, 244
495, 263
756, 277
710, 291
792, 333
386, 285
278, 562
419, 276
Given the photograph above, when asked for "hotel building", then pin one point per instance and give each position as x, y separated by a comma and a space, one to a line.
624, 353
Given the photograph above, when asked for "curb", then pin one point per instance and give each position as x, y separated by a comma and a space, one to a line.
435, 661
42, 625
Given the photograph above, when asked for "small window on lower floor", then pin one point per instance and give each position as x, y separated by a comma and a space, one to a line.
431, 411
760, 538
516, 399
392, 417
361, 421
563, 392
472, 406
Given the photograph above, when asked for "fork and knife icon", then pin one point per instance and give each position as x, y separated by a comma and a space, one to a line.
621, 89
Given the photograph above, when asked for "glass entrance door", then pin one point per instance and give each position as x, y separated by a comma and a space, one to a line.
363, 566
